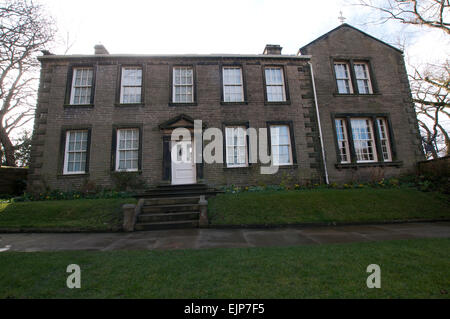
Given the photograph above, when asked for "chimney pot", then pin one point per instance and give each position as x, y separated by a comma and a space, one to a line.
100, 49
46, 52
272, 49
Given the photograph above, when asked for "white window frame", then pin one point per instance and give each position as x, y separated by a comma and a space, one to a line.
272, 145
282, 84
66, 152
348, 78
343, 144
118, 150
123, 86
88, 86
174, 85
234, 147
385, 143
367, 78
372, 140
225, 85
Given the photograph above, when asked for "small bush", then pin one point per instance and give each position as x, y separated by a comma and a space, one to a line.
423, 183
427, 183
128, 181
59, 195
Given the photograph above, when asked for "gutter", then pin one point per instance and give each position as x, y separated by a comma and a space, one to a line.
324, 161
172, 56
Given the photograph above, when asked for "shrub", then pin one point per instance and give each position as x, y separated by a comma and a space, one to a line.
59, 195
427, 183
421, 182
128, 181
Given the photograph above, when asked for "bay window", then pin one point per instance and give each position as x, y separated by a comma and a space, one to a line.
363, 139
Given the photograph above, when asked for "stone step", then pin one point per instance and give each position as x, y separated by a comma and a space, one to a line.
156, 209
166, 217
176, 188
167, 225
181, 186
176, 193
172, 200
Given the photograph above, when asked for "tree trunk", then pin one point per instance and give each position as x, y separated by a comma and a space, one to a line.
8, 148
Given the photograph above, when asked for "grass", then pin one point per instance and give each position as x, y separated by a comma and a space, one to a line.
263, 208
418, 268
327, 205
80, 214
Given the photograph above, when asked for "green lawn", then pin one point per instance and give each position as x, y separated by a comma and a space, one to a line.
409, 269
81, 214
327, 205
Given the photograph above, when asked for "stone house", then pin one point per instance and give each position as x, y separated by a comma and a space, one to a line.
337, 111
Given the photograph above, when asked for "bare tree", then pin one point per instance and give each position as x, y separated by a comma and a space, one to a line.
430, 13
429, 84
25, 29
431, 95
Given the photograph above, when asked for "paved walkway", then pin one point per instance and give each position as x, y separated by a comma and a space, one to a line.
213, 238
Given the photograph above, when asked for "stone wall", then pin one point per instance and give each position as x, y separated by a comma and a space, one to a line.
12, 180
439, 166
391, 98
53, 116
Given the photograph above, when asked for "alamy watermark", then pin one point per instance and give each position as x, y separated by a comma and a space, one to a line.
257, 140
374, 280
74, 279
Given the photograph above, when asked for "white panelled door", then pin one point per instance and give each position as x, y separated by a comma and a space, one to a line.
183, 164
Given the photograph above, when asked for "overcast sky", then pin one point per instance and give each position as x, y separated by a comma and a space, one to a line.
212, 26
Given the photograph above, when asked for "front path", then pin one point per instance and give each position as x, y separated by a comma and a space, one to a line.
223, 238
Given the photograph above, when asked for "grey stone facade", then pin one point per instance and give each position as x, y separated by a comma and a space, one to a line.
391, 99
54, 114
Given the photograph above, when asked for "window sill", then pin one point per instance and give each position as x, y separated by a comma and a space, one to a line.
139, 172
234, 103
355, 95
236, 167
78, 106
288, 166
129, 104
369, 164
182, 104
62, 176
277, 103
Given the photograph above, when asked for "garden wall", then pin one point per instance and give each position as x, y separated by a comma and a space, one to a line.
439, 166
13, 180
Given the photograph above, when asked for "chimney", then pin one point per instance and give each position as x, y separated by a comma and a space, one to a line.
100, 49
46, 52
272, 49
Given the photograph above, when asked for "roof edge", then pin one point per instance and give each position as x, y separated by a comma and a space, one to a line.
352, 27
170, 56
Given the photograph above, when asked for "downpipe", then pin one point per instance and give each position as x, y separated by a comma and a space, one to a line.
324, 161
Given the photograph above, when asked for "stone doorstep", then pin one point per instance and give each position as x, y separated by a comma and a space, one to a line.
167, 225
143, 217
